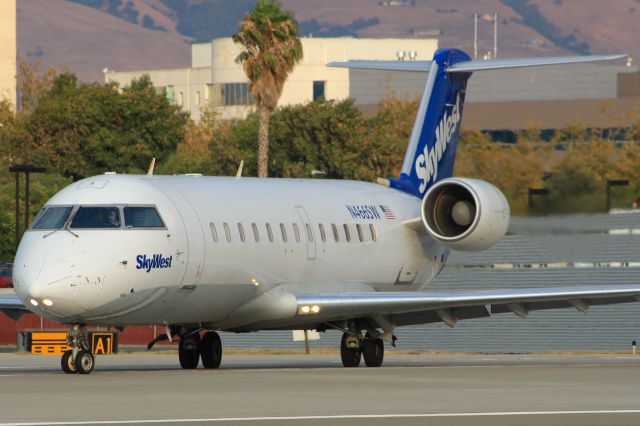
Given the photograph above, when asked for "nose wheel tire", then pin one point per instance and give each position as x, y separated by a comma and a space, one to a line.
189, 352
373, 352
350, 356
84, 362
211, 350
68, 364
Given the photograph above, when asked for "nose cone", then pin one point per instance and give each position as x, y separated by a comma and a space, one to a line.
47, 278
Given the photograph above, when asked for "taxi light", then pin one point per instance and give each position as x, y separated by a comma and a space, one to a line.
47, 302
34, 302
315, 309
305, 309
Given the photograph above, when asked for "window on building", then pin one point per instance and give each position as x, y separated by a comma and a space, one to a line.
180, 99
197, 98
228, 94
169, 94
318, 90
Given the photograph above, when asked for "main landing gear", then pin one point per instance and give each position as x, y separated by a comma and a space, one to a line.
354, 347
191, 349
78, 359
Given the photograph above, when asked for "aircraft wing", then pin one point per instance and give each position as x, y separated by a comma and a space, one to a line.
12, 306
424, 307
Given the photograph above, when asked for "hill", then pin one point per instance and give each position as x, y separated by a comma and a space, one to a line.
88, 35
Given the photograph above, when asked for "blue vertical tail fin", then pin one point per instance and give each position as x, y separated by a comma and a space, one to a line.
431, 153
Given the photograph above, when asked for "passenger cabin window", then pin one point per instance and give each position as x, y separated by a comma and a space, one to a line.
323, 236
51, 218
309, 232
241, 232
372, 229
284, 232
334, 228
96, 218
296, 232
360, 235
142, 217
214, 233
346, 232
255, 232
269, 232
227, 232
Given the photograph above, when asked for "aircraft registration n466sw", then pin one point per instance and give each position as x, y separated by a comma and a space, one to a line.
201, 254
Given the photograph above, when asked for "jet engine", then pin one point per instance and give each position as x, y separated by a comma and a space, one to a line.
465, 214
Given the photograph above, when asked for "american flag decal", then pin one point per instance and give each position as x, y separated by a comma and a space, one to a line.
386, 210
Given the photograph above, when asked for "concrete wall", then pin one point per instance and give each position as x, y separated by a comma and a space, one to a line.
8, 50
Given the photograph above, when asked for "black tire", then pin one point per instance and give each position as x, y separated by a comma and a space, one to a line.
350, 357
189, 357
84, 362
373, 352
211, 350
68, 363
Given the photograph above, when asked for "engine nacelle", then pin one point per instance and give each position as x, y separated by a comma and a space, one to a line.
465, 214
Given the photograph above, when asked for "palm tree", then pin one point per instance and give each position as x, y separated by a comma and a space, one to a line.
271, 50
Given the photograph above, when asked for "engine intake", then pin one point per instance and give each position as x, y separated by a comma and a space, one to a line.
465, 214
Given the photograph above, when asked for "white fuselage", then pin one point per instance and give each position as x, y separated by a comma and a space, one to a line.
209, 267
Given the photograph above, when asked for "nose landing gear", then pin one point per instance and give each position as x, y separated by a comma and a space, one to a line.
78, 359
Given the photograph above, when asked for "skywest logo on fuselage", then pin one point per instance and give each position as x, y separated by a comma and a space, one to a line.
427, 163
154, 262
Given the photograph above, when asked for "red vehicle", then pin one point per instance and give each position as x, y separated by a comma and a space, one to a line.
6, 279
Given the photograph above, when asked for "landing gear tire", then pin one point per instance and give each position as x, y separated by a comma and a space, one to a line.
372, 351
211, 350
68, 364
350, 357
189, 352
84, 362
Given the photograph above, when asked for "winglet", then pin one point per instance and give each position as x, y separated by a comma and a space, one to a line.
152, 167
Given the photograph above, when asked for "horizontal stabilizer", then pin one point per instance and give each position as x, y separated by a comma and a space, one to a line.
421, 66
498, 64
473, 66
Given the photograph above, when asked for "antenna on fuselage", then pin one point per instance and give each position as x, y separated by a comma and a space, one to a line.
239, 172
152, 166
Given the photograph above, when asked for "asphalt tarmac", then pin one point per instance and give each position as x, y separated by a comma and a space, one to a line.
316, 390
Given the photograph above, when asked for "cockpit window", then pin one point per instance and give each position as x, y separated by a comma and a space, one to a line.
52, 218
96, 217
142, 217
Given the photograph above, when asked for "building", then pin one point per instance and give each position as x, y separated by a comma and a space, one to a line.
215, 79
8, 50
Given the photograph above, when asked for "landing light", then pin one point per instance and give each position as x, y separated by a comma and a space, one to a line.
34, 302
47, 302
306, 309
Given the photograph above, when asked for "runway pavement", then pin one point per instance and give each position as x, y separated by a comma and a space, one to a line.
316, 390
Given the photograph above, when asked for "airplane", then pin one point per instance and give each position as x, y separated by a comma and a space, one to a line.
200, 254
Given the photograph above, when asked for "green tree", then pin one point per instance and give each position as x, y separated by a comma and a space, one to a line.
272, 48
86, 129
